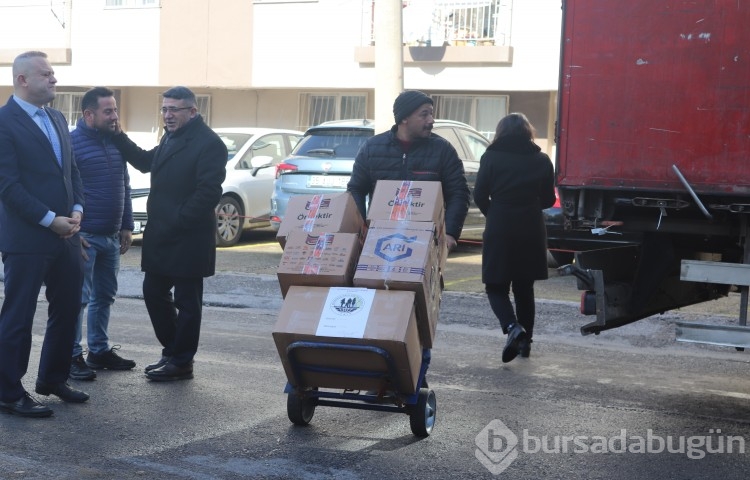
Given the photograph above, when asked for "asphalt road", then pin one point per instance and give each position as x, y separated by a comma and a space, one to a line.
630, 403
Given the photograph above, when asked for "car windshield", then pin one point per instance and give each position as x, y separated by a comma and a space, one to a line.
234, 141
332, 143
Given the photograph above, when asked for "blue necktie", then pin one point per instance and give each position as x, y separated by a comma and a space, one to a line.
51, 134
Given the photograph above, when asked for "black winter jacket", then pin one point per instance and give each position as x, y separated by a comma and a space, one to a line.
106, 183
187, 170
515, 182
429, 159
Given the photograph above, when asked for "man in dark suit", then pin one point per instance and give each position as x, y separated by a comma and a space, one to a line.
179, 245
41, 205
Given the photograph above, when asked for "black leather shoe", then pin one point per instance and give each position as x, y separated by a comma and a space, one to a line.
80, 371
62, 390
26, 406
516, 334
153, 366
524, 348
109, 360
169, 372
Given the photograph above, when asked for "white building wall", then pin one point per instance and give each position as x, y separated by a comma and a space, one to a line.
535, 39
112, 47
297, 47
308, 45
47, 22
311, 45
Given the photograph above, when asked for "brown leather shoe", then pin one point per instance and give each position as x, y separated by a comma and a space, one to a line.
170, 372
26, 406
62, 390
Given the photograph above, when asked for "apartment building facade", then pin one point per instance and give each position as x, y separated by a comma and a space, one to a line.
290, 63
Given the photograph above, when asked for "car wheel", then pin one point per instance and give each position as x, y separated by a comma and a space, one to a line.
229, 222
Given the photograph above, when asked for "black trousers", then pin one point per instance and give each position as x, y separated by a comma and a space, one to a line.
523, 296
176, 318
61, 272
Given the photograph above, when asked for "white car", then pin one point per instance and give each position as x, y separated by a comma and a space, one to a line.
251, 170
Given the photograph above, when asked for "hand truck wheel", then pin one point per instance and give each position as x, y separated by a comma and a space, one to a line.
300, 408
422, 415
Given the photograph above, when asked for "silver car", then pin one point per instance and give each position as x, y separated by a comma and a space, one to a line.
254, 154
322, 162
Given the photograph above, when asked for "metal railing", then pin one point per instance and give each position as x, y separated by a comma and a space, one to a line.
449, 22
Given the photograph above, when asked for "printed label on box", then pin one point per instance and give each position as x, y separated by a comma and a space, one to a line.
345, 313
392, 248
401, 202
406, 199
321, 242
312, 210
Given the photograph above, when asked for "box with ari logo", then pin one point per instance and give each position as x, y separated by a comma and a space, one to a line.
403, 255
411, 200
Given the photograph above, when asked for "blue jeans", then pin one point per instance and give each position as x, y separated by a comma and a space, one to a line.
99, 289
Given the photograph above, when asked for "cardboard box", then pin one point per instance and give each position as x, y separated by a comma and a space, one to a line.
327, 259
351, 318
401, 255
325, 213
411, 200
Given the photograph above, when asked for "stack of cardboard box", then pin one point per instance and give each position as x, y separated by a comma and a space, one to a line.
405, 247
380, 291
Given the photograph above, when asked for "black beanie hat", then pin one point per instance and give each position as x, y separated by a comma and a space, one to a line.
407, 102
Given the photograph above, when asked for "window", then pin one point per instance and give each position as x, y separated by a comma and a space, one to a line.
337, 141
234, 142
70, 105
481, 112
269, 146
204, 107
476, 144
318, 108
452, 22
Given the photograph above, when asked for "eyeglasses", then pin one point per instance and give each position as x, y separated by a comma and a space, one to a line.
173, 109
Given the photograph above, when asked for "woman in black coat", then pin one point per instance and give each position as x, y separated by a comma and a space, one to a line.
515, 182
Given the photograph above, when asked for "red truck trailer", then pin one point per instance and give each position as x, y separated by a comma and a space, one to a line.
653, 157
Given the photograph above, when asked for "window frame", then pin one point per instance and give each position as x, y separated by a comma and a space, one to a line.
308, 117
471, 116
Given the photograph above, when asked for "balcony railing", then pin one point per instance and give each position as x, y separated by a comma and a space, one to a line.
450, 22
